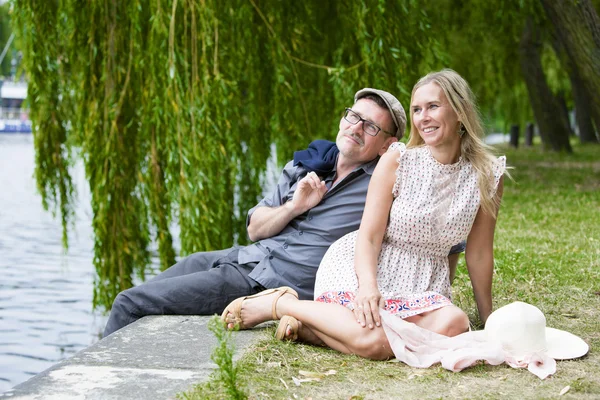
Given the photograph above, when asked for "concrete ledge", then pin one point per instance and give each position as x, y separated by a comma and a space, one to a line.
154, 358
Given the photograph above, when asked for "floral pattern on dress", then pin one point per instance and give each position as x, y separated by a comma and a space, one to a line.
404, 307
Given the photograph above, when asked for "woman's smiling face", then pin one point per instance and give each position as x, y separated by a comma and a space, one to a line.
433, 116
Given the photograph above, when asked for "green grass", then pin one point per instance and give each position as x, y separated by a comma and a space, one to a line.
547, 253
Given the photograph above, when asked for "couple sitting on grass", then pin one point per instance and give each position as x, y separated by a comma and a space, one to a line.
382, 290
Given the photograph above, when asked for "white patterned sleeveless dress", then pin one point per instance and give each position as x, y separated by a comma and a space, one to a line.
434, 208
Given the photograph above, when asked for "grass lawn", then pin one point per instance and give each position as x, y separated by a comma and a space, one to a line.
547, 253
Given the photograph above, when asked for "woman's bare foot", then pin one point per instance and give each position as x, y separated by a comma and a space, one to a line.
305, 335
259, 309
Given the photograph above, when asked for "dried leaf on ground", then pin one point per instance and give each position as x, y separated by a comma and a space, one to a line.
298, 382
284, 384
312, 374
569, 315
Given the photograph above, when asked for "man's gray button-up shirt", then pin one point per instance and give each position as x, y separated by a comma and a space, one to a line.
292, 257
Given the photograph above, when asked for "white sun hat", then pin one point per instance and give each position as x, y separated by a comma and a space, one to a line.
522, 331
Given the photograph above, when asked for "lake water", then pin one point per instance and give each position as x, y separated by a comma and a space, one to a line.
45, 295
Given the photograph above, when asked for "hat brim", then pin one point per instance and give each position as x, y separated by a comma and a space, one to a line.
562, 345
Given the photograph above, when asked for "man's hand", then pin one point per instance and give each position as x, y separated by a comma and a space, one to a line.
366, 306
266, 221
309, 192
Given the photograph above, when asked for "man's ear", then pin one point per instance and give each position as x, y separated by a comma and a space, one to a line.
388, 142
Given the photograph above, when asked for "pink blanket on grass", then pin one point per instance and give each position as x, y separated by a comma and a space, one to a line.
421, 348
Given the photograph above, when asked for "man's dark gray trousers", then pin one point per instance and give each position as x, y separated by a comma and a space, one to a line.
200, 284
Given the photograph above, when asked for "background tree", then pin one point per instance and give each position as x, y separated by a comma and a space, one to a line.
584, 115
578, 28
549, 114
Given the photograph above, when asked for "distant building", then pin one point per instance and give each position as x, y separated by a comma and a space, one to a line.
13, 117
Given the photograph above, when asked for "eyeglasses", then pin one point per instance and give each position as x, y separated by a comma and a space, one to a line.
368, 127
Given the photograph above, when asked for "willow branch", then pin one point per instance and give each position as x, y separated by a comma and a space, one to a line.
327, 67
297, 79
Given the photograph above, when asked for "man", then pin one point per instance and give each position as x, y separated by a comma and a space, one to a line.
320, 197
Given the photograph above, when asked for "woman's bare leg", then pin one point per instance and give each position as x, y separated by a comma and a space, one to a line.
333, 324
448, 321
337, 327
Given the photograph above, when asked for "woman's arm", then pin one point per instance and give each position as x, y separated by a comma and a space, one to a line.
479, 256
370, 236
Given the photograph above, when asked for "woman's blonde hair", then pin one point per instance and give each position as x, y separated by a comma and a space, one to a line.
472, 147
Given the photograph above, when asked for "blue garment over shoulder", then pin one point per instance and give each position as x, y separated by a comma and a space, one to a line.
320, 156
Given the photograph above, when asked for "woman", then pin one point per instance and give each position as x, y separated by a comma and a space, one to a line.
445, 187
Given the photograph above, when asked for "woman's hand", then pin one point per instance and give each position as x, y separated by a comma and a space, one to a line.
366, 306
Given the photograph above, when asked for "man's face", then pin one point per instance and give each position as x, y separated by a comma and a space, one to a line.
357, 146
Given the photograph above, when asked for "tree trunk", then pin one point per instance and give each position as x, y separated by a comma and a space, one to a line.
529, 134
514, 136
577, 26
583, 111
562, 101
554, 129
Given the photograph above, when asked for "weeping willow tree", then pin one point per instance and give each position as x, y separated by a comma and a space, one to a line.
174, 106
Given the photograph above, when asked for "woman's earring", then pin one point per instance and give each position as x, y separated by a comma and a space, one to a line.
462, 130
